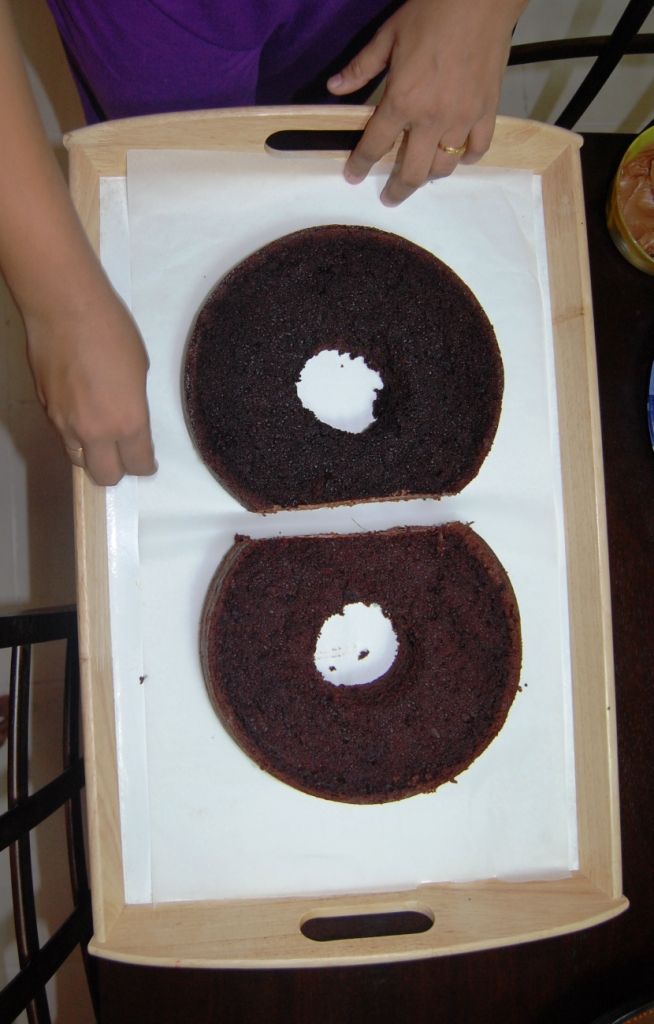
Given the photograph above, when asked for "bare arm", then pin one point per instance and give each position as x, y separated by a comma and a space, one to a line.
85, 352
445, 61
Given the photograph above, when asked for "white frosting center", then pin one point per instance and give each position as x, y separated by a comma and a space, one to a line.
339, 390
356, 646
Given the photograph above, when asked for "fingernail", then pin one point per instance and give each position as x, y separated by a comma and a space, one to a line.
388, 200
335, 81
351, 177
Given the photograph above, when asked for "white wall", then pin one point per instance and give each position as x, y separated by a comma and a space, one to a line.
36, 539
625, 104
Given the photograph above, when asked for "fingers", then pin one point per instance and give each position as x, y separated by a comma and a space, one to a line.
107, 461
367, 64
75, 452
102, 462
445, 63
379, 137
100, 459
422, 155
427, 151
479, 139
453, 149
90, 367
412, 168
137, 453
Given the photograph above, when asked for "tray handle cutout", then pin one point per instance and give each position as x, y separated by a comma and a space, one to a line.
366, 926
295, 140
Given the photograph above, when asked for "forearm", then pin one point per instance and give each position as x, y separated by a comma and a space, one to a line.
514, 8
86, 355
45, 256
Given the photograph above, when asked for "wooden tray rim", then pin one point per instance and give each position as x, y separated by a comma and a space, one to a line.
483, 915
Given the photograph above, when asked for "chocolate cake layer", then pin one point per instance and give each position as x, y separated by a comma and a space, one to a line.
434, 711
360, 291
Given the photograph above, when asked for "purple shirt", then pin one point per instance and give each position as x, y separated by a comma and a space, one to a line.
134, 57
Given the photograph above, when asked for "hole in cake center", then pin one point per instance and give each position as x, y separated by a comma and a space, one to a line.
339, 390
356, 646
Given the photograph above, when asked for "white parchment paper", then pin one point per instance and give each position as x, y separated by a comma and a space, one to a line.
199, 819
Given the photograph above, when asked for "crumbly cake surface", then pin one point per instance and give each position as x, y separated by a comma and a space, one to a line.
360, 291
436, 709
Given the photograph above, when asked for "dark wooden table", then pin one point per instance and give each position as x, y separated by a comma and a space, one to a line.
567, 980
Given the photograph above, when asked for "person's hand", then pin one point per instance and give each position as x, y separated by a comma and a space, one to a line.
89, 366
445, 61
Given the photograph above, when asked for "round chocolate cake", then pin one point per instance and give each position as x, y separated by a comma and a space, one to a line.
353, 290
439, 705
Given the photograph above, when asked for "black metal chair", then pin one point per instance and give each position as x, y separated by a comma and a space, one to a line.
626, 38
641, 1012
26, 810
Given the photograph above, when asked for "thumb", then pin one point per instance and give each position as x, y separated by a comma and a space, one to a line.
368, 63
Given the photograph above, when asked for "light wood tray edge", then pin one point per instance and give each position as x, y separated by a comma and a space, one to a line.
589, 599
98, 714
242, 934
101, 151
530, 144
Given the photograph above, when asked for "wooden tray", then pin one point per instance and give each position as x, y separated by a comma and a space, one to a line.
264, 933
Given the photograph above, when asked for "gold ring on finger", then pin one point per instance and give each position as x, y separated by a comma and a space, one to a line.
453, 150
